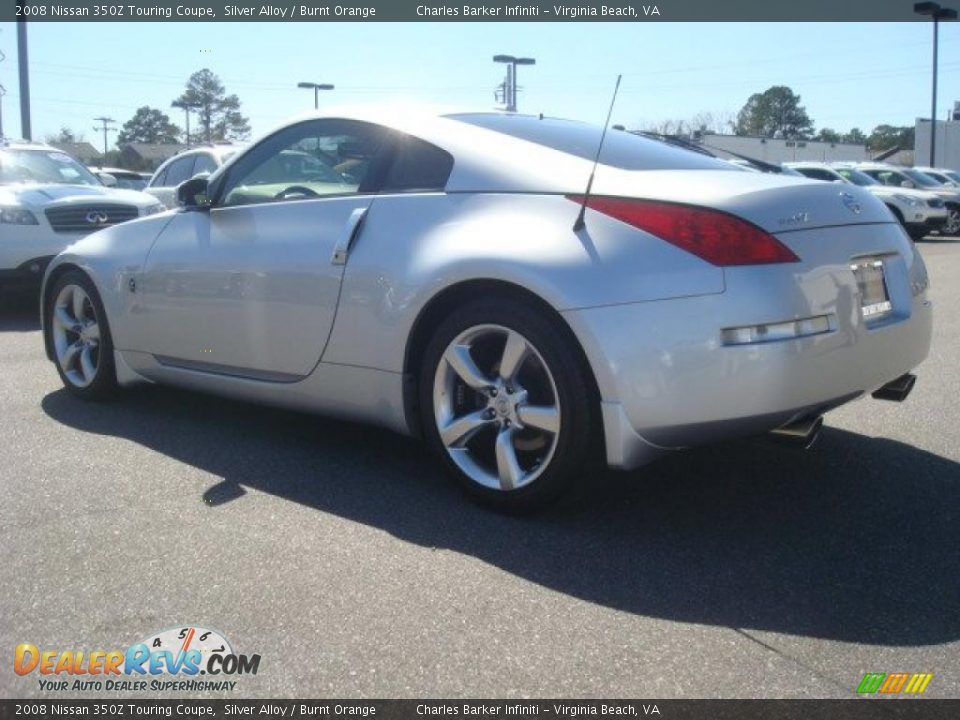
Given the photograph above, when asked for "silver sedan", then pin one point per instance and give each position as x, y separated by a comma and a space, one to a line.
448, 277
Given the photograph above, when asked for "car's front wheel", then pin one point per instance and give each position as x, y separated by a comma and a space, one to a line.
506, 404
77, 331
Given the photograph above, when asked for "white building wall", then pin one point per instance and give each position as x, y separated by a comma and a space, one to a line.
774, 150
947, 147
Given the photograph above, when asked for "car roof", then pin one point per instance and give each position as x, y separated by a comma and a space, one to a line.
808, 163
217, 150
878, 166
491, 156
112, 170
28, 145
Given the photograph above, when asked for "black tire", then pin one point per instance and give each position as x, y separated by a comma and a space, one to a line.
952, 228
580, 431
104, 382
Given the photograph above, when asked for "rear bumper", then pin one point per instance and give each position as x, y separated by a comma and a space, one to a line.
668, 380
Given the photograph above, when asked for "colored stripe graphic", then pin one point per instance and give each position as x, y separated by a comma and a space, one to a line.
871, 683
911, 683
918, 683
894, 683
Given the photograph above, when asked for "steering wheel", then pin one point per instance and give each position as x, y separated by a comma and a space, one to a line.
294, 191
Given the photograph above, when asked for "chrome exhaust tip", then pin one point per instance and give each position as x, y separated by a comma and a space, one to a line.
896, 390
802, 433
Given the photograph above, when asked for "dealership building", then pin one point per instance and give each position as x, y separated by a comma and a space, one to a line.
947, 147
779, 150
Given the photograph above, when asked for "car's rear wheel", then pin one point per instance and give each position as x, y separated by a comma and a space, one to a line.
953, 222
506, 404
77, 331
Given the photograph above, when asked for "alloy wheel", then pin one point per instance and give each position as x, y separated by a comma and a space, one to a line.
953, 223
496, 407
76, 335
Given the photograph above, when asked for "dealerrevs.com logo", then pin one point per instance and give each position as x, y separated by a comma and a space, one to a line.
169, 660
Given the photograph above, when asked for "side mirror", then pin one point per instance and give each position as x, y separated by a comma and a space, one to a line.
906, 184
193, 193
107, 179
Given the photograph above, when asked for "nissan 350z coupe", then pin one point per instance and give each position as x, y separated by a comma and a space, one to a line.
433, 274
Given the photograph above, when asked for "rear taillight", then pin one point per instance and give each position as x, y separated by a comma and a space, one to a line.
712, 235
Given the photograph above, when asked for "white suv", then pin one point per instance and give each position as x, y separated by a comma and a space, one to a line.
919, 212
902, 177
47, 201
943, 176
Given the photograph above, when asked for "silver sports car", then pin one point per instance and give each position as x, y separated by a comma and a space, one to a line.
448, 276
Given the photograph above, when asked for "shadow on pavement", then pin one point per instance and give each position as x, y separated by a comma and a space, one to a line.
856, 540
19, 310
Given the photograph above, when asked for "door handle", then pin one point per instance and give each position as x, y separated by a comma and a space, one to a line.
349, 233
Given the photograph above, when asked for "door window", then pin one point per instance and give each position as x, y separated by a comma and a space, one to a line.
313, 159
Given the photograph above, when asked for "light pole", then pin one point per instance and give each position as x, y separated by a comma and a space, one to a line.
510, 92
316, 87
3, 91
104, 127
23, 61
937, 13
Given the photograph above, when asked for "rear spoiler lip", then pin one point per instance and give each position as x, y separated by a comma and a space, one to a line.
827, 226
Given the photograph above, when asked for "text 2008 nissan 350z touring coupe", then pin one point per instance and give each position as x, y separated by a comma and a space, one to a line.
431, 274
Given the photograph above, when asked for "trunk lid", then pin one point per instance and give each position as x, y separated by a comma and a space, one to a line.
776, 203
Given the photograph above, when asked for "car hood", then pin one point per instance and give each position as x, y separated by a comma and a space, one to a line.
887, 191
946, 193
776, 203
45, 195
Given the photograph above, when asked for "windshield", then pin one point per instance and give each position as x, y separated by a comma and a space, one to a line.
856, 177
47, 167
922, 179
130, 182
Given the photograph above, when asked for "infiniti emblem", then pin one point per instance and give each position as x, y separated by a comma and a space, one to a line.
97, 217
850, 202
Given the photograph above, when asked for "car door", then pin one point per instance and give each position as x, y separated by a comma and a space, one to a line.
250, 286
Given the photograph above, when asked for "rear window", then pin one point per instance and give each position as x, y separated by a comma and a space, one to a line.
621, 149
417, 165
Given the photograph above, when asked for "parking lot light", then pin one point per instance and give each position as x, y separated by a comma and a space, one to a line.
316, 87
936, 13
510, 86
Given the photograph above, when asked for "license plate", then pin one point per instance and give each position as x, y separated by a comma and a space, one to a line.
874, 300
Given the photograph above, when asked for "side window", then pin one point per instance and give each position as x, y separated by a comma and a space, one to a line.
417, 165
179, 171
308, 160
818, 174
204, 163
159, 179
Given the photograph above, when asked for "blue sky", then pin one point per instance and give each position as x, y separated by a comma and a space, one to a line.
848, 74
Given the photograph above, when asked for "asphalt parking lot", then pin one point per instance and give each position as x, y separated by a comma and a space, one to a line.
343, 557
